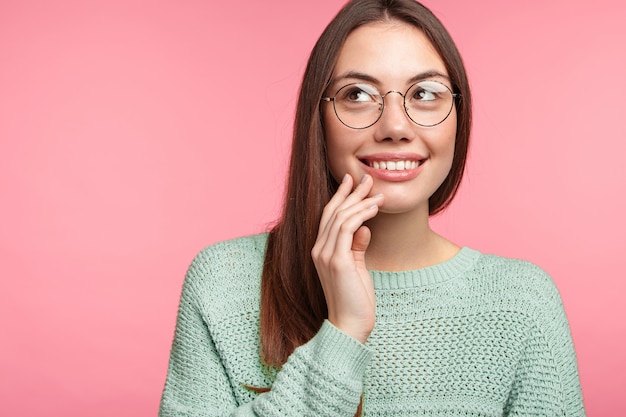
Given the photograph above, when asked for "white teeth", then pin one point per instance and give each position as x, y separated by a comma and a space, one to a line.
394, 165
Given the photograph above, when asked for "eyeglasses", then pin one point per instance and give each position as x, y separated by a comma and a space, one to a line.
360, 105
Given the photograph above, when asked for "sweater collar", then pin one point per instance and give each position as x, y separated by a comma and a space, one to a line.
453, 267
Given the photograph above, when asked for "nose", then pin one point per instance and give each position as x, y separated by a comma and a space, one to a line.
394, 123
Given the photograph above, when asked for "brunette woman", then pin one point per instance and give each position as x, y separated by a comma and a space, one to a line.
351, 303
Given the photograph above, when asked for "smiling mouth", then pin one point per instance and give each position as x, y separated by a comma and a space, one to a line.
393, 165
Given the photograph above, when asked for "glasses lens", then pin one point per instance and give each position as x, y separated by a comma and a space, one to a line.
358, 105
428, 103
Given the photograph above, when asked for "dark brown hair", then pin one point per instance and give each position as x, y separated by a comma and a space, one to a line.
293, 306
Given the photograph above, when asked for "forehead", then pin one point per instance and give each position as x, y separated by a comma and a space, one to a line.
392, 52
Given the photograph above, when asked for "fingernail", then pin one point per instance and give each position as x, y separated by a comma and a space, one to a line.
364, 178
345, 178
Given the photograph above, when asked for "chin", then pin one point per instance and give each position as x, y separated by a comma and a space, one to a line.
403, 207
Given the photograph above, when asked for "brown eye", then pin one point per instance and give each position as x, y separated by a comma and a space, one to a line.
357, 94
424, 95
428, 91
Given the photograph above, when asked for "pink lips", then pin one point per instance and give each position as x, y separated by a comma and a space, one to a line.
393, 167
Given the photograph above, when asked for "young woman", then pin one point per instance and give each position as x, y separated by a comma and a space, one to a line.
351, 303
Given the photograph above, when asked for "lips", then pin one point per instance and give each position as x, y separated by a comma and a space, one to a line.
393, 166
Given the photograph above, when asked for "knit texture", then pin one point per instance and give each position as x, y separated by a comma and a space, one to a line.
478, 335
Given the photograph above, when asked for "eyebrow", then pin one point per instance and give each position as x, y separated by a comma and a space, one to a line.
370, 79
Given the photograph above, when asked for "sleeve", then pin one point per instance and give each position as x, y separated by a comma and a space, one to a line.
547, 381
321, 378
196, 383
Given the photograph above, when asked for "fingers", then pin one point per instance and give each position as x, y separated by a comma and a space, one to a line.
346, 203
339, 257
342, 217
349, 220
342, 192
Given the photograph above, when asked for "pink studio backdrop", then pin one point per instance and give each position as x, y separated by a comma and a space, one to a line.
134, 133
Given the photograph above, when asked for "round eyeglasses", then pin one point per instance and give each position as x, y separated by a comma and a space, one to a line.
360, 105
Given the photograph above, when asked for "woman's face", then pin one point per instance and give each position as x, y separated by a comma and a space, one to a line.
408, 162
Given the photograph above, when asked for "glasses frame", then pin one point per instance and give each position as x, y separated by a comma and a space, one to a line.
455, 97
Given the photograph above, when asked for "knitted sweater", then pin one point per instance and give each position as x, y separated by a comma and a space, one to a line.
477, 335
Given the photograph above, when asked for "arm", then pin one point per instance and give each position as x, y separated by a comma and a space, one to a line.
321, 378
196, 384
547, 382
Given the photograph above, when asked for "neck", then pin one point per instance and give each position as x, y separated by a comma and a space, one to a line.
405, 241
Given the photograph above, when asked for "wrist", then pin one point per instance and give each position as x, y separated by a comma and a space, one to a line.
359, 330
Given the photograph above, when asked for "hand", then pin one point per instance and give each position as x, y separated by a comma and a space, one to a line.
339, 257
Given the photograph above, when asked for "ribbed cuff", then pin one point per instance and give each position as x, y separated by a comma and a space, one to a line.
344, 355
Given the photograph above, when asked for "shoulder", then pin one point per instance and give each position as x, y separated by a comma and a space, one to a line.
241, 252
519, 284
228, 269
514, 271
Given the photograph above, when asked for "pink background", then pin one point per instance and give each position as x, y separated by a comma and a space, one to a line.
134, 133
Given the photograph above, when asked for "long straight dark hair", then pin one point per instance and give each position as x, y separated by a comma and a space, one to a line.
293, 306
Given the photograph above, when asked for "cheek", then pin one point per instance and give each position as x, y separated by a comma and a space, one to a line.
337, 146
442, 146
449, 137
441, 138
335, 155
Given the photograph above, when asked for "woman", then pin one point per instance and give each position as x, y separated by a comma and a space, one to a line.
351, 303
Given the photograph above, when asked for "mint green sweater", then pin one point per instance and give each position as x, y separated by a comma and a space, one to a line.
478, 335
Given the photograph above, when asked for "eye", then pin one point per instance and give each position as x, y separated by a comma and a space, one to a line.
424, 95
358, 93
428, 91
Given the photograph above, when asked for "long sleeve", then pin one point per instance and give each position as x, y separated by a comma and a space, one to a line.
321, 378
546, 380
197, 384
215, 352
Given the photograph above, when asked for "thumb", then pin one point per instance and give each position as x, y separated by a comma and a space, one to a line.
361, 239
